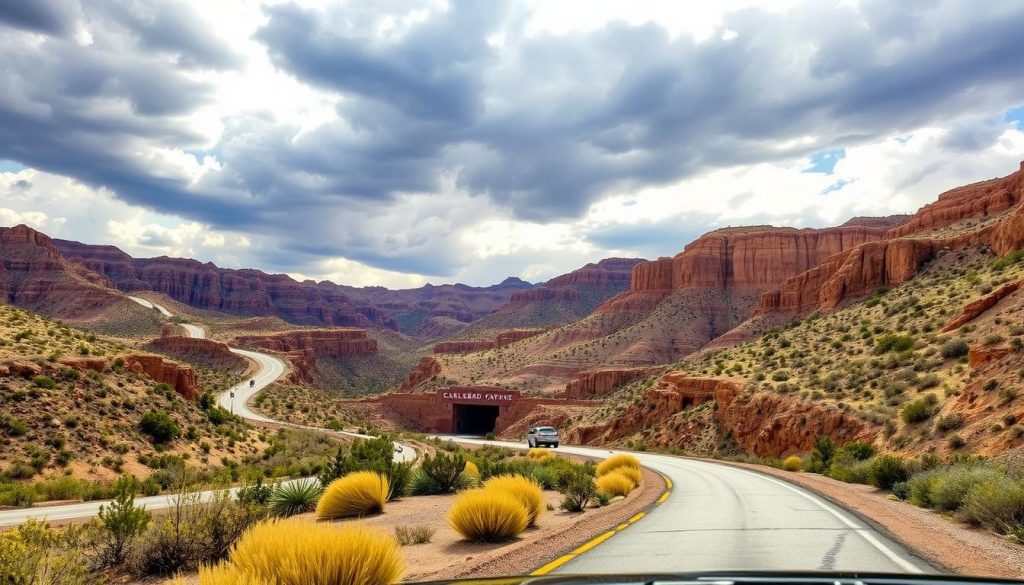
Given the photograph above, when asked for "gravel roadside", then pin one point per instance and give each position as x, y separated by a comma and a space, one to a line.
940, 540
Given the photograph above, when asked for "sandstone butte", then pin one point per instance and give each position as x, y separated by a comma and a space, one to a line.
744, 260
425, 370
34, 275
178, 376
501, 340
765, 424
302, 346
201, 350
897, 257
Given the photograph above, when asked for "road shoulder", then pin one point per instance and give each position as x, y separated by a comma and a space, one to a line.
941, 541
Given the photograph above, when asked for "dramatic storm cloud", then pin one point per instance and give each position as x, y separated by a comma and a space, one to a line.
399, 142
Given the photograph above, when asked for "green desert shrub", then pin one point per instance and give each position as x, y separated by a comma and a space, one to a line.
887, 470
159, 426
917, 411
793, 463
295, 497
954, 348
996, 504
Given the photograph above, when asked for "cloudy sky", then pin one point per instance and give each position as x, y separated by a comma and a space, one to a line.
399, 143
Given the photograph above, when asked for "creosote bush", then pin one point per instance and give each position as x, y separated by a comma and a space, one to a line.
357, 494
526, 490
616, 461
484, 516
295, 552
793, 463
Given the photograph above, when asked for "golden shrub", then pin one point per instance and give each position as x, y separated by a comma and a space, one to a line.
298, 552
524, 489
631, 472
614, 484
357, 494
616, 461
538, 453
471, 469
483, 515
228, 574
793, 463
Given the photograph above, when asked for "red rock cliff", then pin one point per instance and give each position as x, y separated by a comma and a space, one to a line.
206, 352
597, 382
502, 339
180, 377
425, 370
329, 342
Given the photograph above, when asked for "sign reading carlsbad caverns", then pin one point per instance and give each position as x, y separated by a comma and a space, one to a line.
479, 395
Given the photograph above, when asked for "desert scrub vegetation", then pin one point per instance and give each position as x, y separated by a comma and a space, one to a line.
417, 534
296, 552
482, 515
525, 490
614, 462
614, 484
294, 497
360, 493
793, 463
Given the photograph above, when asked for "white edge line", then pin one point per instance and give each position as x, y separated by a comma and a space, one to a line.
861, 530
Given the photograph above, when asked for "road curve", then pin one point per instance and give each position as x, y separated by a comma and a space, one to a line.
269, 370
723, 517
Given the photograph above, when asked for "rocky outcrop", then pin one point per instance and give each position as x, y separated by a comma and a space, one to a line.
974, 309
534, 295
204, 352
329, 342
83, 364
35, 276
886, 222
763, 423
256, 293
610, 272
501, 340
425, 370
180, 377
21, 368
598, 382
894, 260
979, 356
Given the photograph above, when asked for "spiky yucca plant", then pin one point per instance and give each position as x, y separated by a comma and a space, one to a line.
524, 489
487, 516
357, 494
616, 461
614, 484
297, 552
296, 497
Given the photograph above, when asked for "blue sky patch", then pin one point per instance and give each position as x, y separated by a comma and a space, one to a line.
1016, 115
836, 186
9, 166
824, 161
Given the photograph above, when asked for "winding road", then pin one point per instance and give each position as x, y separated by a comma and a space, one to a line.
269, 369
722, 517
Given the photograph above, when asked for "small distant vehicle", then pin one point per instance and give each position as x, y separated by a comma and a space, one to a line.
542, 437
252, 383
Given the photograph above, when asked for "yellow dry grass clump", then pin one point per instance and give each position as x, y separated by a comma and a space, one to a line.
357, 494
632, 473
228, 574
793, 463
614, 484
472, 470
615, 462
524, 489
538, 453
297, 552
487, 516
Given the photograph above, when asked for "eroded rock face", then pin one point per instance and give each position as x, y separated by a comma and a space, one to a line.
981, 355
501, 340
256, 293
330, 342
34, 275
762, 423
897, 258
598, 382
545, 294
973, 310
425, 370
206, 352
180, 377
83, 364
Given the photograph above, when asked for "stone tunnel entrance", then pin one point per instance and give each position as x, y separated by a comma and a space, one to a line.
474, 419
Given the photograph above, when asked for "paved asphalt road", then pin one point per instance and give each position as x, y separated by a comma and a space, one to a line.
722, 517
270, 369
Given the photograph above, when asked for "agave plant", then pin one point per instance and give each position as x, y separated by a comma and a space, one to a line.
295, 497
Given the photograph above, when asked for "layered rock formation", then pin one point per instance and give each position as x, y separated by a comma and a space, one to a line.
302, 346
973, 310
995, 205
34, 275
425, 370
205, 352
256, 293
598, 382
501, 340
764, 423
180, 377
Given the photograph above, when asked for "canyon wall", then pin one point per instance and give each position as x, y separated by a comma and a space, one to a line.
204, 352
180, 377
501, 340
302, 346
598, 382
